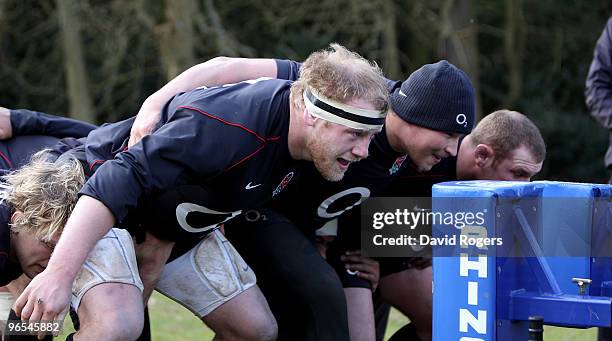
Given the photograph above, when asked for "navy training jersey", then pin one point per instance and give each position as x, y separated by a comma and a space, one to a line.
28, 122
34, 131
9, 270
6, 275
16, 151
217, 151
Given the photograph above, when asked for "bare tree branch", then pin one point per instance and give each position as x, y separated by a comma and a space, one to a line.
81, 105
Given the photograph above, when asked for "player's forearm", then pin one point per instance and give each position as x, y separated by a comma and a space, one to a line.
89, 222
216, 71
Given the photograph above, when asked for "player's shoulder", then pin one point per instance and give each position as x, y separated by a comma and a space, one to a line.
260, 89
4, 228
254, 103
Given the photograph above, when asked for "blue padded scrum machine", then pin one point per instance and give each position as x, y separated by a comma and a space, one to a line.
541, 250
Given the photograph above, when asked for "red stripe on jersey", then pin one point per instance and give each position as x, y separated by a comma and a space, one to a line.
93, 164
230, 123
262, 139
6, 159
245, 158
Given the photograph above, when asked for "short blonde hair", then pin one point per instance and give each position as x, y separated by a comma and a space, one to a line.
44, 193
341, 75
505, 131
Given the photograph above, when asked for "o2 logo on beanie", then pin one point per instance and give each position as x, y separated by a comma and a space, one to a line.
461, 119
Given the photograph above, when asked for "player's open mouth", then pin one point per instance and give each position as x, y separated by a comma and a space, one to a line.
343, 162
436, 158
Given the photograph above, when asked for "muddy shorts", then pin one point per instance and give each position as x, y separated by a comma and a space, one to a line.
208, 275
111, 261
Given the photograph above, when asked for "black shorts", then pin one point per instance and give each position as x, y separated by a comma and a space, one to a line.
302, 290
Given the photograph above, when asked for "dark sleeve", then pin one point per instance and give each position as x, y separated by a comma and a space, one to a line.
3, 262
599, 80
191, 147
26, 122
287, 69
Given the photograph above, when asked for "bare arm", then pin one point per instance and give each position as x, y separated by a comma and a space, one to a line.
6, 130
49, 292
363, 267
216, 71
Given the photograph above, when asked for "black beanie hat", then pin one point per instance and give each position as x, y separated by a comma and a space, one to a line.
437, 96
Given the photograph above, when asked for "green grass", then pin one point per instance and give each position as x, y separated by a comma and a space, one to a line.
170, 321
569, 334
396, 321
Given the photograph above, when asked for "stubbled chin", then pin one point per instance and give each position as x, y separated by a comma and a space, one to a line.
333, 176
425, 168
329, 170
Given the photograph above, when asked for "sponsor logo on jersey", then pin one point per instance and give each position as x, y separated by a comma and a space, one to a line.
283, 184
397, 164
250, 185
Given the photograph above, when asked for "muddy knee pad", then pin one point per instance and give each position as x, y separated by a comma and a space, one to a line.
207, 276
6, 302
112, 260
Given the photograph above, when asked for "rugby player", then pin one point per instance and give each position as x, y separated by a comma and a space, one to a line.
431, 110
23, 133
229, 148
37, 203
504, 145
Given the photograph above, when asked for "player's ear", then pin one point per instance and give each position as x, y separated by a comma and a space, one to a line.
16, 215
484, 155
309, 119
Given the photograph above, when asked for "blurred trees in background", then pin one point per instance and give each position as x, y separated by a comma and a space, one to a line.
99, 59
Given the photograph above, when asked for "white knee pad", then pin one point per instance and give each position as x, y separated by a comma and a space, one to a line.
111, 261
207, 276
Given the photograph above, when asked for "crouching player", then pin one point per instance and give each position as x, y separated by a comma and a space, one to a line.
37, 202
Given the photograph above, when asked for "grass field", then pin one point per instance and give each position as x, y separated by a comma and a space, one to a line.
170, 321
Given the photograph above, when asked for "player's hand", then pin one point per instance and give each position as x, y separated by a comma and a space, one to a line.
46, 298
145, 122
363, 267
6, 129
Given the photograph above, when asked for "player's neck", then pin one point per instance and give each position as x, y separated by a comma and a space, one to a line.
297, 136
466, 168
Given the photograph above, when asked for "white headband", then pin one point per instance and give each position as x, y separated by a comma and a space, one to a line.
343, 114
